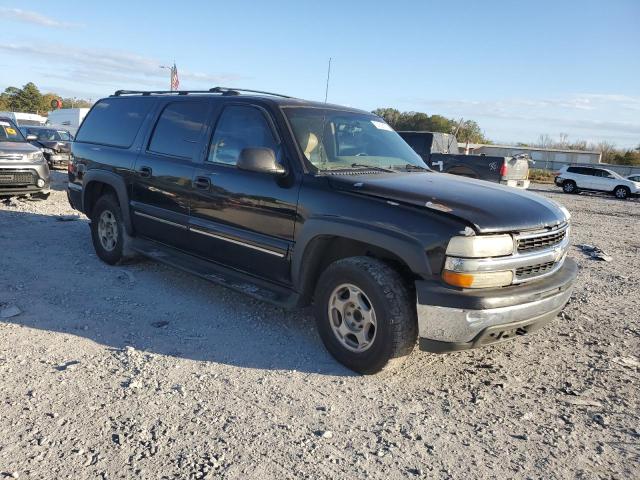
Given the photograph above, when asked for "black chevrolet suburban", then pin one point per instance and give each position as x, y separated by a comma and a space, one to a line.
296, 203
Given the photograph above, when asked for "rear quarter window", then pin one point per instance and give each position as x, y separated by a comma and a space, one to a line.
114, 121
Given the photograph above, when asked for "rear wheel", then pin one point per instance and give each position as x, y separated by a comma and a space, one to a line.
107, 230
365, 314
621, 192
569, 186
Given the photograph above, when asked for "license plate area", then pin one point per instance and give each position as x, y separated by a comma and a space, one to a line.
500, 334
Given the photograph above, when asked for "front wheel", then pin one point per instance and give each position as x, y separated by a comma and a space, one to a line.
365, 313
621, 192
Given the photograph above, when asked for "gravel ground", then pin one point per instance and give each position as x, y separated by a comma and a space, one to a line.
143, 371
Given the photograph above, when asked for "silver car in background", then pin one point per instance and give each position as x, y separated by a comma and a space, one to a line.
23, 168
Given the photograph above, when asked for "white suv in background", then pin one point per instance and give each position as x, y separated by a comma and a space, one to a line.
575, 179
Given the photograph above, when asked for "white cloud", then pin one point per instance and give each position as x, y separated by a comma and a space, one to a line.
591, 116
109, 69
34, 18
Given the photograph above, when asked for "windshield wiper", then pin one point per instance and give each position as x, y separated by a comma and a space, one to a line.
372, 167
411, 166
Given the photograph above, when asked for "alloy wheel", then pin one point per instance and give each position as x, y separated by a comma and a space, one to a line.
108, 230
352, 317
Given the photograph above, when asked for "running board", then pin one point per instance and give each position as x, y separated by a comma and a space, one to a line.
227, 277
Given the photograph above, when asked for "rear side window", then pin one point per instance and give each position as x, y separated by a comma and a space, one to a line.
580, 170
240, 127
114, 121
178, 129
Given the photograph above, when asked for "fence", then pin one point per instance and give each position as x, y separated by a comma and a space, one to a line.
554, 166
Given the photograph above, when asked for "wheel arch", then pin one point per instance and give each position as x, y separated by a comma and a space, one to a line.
324, 241
96, 184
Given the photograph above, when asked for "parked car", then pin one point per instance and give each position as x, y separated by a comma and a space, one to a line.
297, 202
634, 178
54, 143
23, 169
440, 152
574, 179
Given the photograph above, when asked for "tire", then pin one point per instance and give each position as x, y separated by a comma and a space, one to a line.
110, 248
569, 186
621, 192
390, 299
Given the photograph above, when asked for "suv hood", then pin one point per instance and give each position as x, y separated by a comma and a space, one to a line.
56, 146
488, 207
10, 148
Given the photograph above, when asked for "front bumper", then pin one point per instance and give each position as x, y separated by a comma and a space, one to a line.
452, 319
22, 179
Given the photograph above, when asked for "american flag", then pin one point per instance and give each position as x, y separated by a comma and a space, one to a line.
175, 81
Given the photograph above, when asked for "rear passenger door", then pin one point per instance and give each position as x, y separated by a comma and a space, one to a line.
582, 176
244, 219
164, 171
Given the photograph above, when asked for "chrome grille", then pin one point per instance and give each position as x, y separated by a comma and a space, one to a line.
540, 241
534, 270
8, 177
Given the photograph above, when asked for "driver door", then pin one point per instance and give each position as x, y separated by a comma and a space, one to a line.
244, 220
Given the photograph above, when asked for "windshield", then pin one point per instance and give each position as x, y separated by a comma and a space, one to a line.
9, 133
334, 139
47, 134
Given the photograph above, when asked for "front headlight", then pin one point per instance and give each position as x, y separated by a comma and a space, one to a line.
480, 246
47, 151
35, 157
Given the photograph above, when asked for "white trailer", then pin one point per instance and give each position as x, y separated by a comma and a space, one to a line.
21, 118
67, 117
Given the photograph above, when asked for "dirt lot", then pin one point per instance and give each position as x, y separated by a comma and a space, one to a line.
142, 371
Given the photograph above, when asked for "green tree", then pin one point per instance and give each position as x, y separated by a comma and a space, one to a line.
10, 98
30, 99
75, 103
390, 115
471, 132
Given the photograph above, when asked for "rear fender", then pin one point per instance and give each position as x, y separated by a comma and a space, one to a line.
118, 184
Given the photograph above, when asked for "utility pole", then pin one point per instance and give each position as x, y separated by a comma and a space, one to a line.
326, 91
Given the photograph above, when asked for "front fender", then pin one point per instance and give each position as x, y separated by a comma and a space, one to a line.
408, 249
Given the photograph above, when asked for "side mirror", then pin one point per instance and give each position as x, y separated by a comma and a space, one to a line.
32, 137
260, 159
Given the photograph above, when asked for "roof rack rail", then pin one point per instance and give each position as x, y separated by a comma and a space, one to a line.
219, 90
233, 89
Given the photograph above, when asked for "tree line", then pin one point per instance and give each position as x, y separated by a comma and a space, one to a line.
465, 130
29, 99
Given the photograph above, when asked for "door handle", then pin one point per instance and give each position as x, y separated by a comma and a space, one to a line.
202, 183
145, 172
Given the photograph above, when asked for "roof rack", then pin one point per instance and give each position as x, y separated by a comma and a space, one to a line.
219, 90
